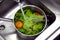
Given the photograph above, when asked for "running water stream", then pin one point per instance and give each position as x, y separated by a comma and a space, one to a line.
22, 10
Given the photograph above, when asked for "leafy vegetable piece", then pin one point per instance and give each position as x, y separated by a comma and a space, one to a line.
21, 30
38, 26
33, 16
34, 32
29, 32
28, 13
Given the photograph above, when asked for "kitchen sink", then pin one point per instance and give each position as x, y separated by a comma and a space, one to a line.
9, 33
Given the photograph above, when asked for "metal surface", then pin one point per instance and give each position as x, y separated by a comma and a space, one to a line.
52, 5
56, 3
6, 19
1, 37
57, 38
8, 27
50, 29
5, 6
56, 10
11, 34
1, 1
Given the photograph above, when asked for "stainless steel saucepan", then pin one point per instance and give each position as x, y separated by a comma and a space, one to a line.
21, 34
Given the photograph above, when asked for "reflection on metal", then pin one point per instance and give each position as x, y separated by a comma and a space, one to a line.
52, 33
56, 2
10, 31
2, 38
1, 1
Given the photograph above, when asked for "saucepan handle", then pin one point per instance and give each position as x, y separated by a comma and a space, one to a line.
6, 19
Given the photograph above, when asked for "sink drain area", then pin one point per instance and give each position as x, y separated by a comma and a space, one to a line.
2, 27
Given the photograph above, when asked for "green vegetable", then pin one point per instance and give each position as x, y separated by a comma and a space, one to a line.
32, 22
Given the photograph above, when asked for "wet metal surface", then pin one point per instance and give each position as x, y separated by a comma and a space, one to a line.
10, 33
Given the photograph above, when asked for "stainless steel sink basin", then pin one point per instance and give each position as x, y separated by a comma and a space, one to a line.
5, 6
56, 2
10, 33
